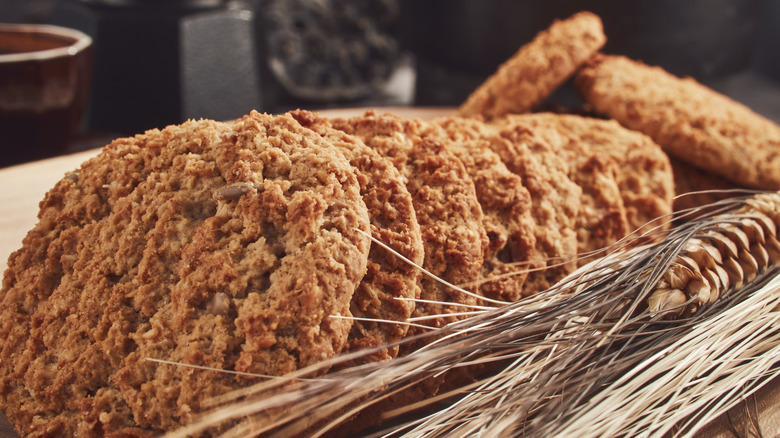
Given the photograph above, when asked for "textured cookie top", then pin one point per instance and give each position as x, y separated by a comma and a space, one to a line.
538, 68
218, 245
506, 205
389, 282
601, 218
643, 172
690, 121
555, 198
446, 205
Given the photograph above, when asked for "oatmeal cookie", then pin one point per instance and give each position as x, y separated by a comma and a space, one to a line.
454, 238
538, 68
226, 246
446, 205
390, 283
506, 205
555, 198
689, 120
601, 218
643, 172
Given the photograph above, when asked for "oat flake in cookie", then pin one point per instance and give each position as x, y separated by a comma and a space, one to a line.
220, 245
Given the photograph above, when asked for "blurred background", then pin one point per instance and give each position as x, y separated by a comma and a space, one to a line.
158, 62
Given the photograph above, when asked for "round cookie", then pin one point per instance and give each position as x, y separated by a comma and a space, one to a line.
643, 171
538, 68
601, 218
390, 283
506, 205
226, 246
688, 120
555, 198
38, 313
446, 206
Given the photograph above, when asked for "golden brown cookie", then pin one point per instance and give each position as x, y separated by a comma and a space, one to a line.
555, 198
451, 222
643, 173
601, 217
690, 121
390, 283
218, 245
538, 68
446, 205
506, 205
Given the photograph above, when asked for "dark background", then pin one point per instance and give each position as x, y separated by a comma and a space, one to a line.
158, 62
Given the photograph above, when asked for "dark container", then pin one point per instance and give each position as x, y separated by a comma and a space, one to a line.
138, 49
44, 86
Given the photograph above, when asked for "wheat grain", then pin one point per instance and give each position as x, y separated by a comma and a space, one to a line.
649, 341
729, 251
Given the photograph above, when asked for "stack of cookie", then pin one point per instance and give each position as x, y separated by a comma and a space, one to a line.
182, 253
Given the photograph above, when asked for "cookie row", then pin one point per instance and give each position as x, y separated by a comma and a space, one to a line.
243, 246
236, 246
550, 191
552, 186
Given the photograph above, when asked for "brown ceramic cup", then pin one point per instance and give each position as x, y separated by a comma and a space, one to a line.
45, 74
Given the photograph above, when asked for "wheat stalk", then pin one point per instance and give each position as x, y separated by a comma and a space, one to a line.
648, 341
